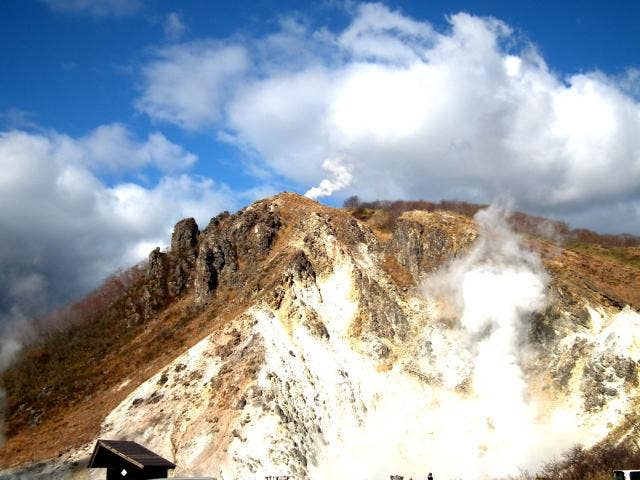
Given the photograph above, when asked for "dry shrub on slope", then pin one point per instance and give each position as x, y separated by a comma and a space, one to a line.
384, 213
597, 463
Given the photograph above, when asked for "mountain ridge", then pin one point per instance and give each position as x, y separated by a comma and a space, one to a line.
286, 260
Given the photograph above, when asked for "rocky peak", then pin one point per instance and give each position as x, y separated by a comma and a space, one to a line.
185, 236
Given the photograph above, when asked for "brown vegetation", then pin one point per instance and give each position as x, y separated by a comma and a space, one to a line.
100, 299
60, 367
64, 385
384, 213
597, 463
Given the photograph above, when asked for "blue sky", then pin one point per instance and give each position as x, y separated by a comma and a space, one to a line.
45, 52
72, 70
55, 64
119, 117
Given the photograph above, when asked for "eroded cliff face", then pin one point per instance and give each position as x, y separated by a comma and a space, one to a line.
328, 366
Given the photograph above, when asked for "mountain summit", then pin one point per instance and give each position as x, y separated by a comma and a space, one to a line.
291, 338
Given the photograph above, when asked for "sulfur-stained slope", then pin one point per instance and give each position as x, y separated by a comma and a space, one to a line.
322, 352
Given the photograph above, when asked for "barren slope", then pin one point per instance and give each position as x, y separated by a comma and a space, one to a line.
290, 339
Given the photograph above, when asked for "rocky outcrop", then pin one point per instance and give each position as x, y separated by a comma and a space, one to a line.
169, 274
380, 315
254, 229
216, 259
423, 241
206, 259
230, 239
154, 293
184, 237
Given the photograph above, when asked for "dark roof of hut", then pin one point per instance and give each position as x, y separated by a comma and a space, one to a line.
131, 452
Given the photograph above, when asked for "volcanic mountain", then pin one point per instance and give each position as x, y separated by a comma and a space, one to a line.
291, 338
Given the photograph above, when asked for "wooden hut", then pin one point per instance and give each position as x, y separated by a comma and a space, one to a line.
125, 460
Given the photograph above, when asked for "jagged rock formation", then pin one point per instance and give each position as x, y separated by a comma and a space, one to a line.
423, 241
311, 342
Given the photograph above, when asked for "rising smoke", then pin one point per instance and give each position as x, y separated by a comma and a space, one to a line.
477, 416
340, 177
495, 287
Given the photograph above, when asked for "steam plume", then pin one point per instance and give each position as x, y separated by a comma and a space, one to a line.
340, 177
495, 287
476, 417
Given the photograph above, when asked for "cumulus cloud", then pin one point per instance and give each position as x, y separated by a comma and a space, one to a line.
173, 26
96, 8
467, 112
113, 147
63, 229
629, 82
377, 33
187, 83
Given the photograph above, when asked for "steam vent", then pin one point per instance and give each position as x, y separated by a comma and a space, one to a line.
294, 339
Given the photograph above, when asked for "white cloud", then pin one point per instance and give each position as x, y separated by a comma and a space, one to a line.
96, 8
187, 83
173, 26
378, 33
467, 113
630, 82
16, 118
62, 229
112, 147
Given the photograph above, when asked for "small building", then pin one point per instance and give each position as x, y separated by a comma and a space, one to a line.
125, 460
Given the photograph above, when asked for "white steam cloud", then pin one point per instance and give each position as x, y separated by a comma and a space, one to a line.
476, 418
340, 178
496, 287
